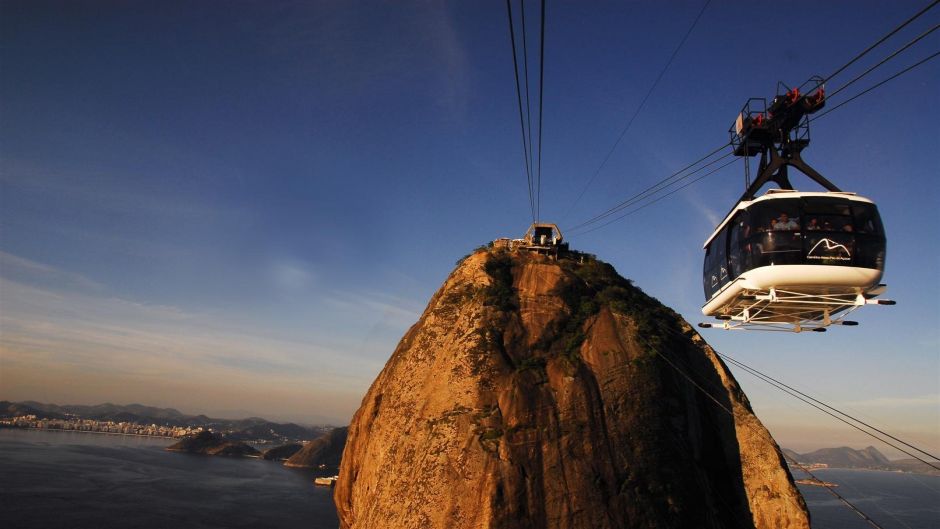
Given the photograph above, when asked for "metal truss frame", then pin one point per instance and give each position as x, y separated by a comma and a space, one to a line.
791, 311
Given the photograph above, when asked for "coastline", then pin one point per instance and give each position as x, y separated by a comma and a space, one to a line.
90, 431
889, 470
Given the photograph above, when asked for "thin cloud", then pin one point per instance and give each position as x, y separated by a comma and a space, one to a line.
110, 192
291, 275
932, 399
16, 266
455, 83
396, 309
695, 200
92, 335
325, 42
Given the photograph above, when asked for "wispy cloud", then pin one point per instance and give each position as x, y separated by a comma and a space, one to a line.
455, 81
92, 334
13, 266
107, 190
929, 400
327, 43
399, 310
289, 275
695, 200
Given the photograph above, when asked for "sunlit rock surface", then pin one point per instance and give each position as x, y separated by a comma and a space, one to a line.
530, 395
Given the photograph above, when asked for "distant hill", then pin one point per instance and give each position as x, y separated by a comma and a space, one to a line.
845, 457
208, 443
914, 466
15, 409
115, 412
271, 430
282, 452
867, 458
249, 429
324, 450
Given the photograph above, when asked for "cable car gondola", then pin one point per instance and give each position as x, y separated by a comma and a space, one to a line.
790, 260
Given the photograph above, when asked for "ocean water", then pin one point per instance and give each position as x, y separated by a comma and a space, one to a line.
83, 480
79, 480
892, 499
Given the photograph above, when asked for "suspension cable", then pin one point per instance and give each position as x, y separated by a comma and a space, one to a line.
884, 81
649, 190
886, 59
819, 405
538, 194
662, 184
667, 182
810, 400
525, 152
832, 491
730, 412
680, 188
528, 108
639, 107
882, 39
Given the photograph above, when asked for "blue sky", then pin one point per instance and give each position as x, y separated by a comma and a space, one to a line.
240, 207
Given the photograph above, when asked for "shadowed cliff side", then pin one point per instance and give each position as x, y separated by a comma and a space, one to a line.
324, 450
534, 393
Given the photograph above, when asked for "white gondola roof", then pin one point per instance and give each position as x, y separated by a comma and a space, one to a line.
773, 194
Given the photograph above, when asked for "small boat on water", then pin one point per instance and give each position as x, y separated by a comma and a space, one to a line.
326, 481
816, 483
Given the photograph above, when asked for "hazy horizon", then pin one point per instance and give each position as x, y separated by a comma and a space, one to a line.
822, 437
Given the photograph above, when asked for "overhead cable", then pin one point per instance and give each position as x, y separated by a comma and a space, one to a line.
813, 402
538, 194
730, 412
886, 59
528, 108
882, 39
823, 407
884, 81
660, 186
639, 107
525, 151
649, 190
657, 199
668, 181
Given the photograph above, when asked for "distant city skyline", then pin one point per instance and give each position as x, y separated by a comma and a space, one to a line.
240, 210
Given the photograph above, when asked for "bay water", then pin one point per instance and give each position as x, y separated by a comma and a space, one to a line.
79, 480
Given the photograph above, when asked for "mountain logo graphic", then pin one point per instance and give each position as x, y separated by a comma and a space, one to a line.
830, 250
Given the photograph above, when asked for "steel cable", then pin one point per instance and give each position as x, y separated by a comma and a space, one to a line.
639, 107
525, 152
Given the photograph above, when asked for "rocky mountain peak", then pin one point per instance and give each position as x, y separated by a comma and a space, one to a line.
538, 393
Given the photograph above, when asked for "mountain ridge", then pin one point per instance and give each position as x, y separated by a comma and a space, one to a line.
246, 429
869, 458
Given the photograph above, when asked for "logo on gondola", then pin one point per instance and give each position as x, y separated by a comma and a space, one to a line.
829, 250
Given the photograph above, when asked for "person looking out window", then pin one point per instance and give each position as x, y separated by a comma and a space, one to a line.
785, 223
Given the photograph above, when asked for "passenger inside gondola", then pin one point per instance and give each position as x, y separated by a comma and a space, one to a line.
808, 230
785, 223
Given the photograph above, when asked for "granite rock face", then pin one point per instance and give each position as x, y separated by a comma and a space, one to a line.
553, 394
